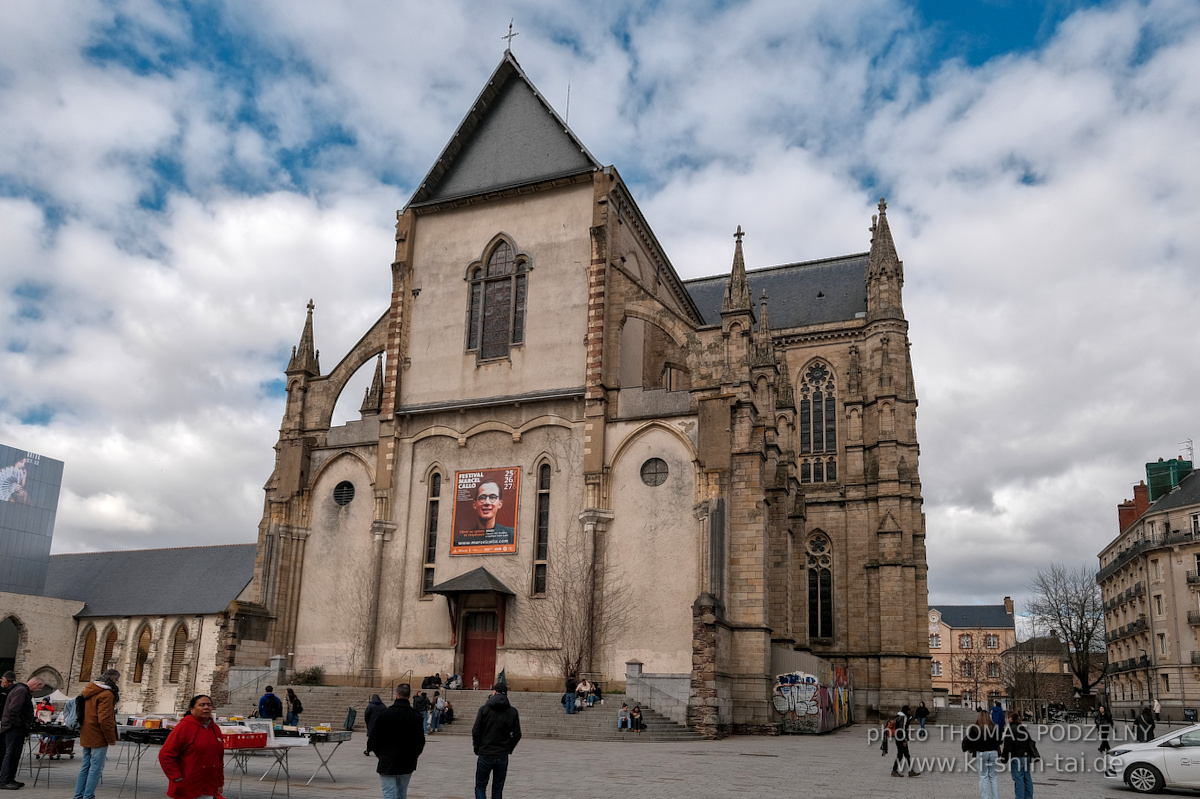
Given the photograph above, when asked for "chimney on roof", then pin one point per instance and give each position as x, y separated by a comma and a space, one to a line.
1008, 605
1130, 510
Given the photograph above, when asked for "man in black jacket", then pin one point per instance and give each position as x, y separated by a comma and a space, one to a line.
495, 735
15, 724
398, 738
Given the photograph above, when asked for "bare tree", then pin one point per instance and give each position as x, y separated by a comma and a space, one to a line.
1068, 601
579, 615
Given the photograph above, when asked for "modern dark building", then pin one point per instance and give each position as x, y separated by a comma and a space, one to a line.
29, 489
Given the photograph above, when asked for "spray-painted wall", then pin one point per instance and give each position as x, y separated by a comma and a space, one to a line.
813, 703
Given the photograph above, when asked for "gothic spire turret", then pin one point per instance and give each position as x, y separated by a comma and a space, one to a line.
764, 345
373, 401
304, 357
885, 271
737, 292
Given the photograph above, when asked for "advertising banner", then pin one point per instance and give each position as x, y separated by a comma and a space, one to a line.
485, 511
29, 489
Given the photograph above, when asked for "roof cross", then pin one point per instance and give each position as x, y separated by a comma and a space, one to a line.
739, 234
510, 35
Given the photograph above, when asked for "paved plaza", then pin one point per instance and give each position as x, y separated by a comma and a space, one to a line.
841, 764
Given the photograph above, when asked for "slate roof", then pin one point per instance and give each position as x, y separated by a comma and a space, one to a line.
510, 137
1046, 644
808, 293
1187, 493
963, 616
152, 582
473, 582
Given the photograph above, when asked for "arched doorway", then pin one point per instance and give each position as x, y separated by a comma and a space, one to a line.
10, 638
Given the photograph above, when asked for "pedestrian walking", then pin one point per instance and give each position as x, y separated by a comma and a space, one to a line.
569, 696
397, 739
1104, 725
496, 733
436, 706
982, 739
420, 704
374, 708
921, 714
1018, 750
97, 731
998, 716
269, 706
294, 708
901, 736
15, 723
1157, 711
1145, 724
193, 757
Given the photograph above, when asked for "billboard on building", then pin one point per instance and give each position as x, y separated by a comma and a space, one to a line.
485, 511
29, 489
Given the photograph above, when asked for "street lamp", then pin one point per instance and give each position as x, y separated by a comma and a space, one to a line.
1146, 661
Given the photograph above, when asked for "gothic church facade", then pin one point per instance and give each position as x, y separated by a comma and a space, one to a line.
571, 457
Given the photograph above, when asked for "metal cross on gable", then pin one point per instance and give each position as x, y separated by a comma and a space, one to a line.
511, 35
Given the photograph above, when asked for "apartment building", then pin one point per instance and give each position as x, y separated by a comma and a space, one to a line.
1150, 583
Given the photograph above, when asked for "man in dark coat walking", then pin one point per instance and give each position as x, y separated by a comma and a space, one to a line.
15, 723
495, 735
397, 739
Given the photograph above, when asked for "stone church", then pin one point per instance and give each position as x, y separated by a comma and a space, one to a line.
570, 458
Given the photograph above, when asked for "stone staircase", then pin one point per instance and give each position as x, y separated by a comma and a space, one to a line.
542, 714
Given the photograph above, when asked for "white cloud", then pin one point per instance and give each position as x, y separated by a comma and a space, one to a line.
1044, 203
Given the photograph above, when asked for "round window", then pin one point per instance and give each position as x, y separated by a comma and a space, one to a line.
343, 492
654, 472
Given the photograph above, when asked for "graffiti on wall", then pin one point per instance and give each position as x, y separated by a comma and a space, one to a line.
814, 703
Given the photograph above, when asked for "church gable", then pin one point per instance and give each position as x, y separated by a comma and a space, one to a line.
510, 137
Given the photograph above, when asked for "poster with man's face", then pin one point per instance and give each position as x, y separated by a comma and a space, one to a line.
485, 511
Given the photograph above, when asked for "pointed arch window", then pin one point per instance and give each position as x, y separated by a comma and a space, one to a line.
143, 654
431, 530
541, 554
89, 655
820, 587
496, 311
178, 648
818, 424
110, 643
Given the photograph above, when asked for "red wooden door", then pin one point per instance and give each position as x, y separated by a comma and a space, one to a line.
479, 649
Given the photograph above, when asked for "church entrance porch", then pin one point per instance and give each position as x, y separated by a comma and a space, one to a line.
477, 602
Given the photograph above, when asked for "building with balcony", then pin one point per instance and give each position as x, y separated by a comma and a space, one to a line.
966, 646
1151, 592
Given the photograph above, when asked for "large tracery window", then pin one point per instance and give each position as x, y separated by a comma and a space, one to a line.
820, 587
496, 315
818, 425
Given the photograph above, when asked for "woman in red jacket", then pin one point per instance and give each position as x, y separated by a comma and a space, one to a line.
193, 758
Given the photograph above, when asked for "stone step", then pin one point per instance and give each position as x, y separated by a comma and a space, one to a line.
542, 714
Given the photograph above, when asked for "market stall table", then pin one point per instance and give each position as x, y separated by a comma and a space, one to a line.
278, 749
141, 739
319, 738
42, 732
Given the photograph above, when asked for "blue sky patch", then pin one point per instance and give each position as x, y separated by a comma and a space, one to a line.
977, 31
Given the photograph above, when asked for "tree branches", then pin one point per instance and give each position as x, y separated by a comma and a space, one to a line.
1068, 601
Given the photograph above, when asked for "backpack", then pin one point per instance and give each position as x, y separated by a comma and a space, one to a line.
297, 708
275, 706
73, 713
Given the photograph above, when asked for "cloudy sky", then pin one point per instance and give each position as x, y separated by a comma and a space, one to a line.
178, 179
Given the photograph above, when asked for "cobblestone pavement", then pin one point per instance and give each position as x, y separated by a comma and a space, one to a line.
841, 764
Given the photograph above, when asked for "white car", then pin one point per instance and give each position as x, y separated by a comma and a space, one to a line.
1169, 761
